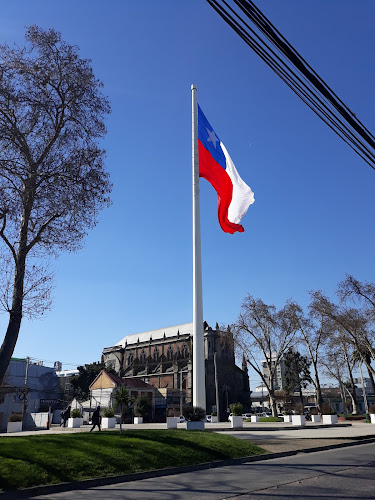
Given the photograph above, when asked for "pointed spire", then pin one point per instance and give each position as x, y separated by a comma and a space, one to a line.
217, 327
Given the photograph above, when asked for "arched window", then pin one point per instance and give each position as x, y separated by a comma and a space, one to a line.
169, 353
184, 351
142, 357
156, 353
130, 359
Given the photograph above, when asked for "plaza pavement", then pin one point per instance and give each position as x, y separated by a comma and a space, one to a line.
275, 437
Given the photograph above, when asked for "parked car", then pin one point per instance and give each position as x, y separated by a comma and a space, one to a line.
182, 419
208, 418
230, 417
246, 415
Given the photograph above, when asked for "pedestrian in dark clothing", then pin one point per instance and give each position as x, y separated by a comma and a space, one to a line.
64, 416
95, 419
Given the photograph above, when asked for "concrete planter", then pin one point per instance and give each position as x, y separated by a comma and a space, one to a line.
214, 419
237, 422
287, 418
254, 418
14, 427
75, 422
108, 422
298, 420
372, 416
138, 420
172, 422
195, 426
315, 418
330, 419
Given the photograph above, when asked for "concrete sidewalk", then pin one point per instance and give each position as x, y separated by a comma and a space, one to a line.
283, 440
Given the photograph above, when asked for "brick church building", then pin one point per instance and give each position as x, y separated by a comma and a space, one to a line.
163, 359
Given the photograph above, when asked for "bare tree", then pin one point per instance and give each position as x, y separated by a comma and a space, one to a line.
351, 323
52, 178
363, 292
263, 332
314, 330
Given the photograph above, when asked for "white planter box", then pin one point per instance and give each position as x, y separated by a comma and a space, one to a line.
138, 420
14, 427
298, 420
214, 419
172, 422
237, 422
372, 416
315, 418
330, 419
254, 418
75, 422
287, 418
108, 422
195, 426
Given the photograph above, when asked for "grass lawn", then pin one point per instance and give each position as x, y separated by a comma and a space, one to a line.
35, 460
271, 419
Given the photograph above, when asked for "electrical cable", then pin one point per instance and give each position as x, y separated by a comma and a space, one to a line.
298, 75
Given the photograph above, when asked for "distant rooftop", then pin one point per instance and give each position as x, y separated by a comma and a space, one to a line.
170, 331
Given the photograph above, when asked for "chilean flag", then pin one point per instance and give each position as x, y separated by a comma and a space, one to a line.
215, 165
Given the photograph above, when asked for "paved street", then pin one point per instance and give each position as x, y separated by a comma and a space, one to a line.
345, 473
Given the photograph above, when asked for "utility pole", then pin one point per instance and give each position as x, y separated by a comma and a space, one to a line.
217, 390
25, 392
181, 392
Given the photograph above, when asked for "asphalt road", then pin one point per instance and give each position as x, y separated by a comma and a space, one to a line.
344, 473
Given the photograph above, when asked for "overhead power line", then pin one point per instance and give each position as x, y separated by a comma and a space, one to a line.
273, 48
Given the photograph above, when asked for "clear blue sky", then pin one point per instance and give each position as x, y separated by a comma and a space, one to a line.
313, 216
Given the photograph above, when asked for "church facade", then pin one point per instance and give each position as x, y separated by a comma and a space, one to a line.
163, 359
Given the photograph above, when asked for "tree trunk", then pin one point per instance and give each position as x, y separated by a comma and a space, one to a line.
9, 343
353, 391
367, 362
15, 316
319, 397
301, 400
271, 394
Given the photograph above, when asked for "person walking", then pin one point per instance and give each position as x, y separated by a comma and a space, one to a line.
64, 416
95, 419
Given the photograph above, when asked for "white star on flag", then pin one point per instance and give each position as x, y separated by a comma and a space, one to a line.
212, 137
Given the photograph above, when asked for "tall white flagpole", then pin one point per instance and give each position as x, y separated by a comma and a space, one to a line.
199, 382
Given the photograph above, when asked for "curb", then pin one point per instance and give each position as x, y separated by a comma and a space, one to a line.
103, 481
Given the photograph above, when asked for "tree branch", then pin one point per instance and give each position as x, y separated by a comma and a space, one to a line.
41, 231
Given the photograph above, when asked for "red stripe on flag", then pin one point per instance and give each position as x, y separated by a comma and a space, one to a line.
216, 175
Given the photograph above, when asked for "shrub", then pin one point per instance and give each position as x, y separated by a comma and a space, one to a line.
194, 413
270, 419
141, 406
327, 409
314, 411
372, 408
213, 414
108, 413
236, 409
75, 413
15, 417
287, 412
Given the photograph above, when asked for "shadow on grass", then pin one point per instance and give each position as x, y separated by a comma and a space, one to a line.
34, 460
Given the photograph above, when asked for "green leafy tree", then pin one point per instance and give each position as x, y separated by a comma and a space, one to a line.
53, 183
141, 406
297, 373
87, 375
